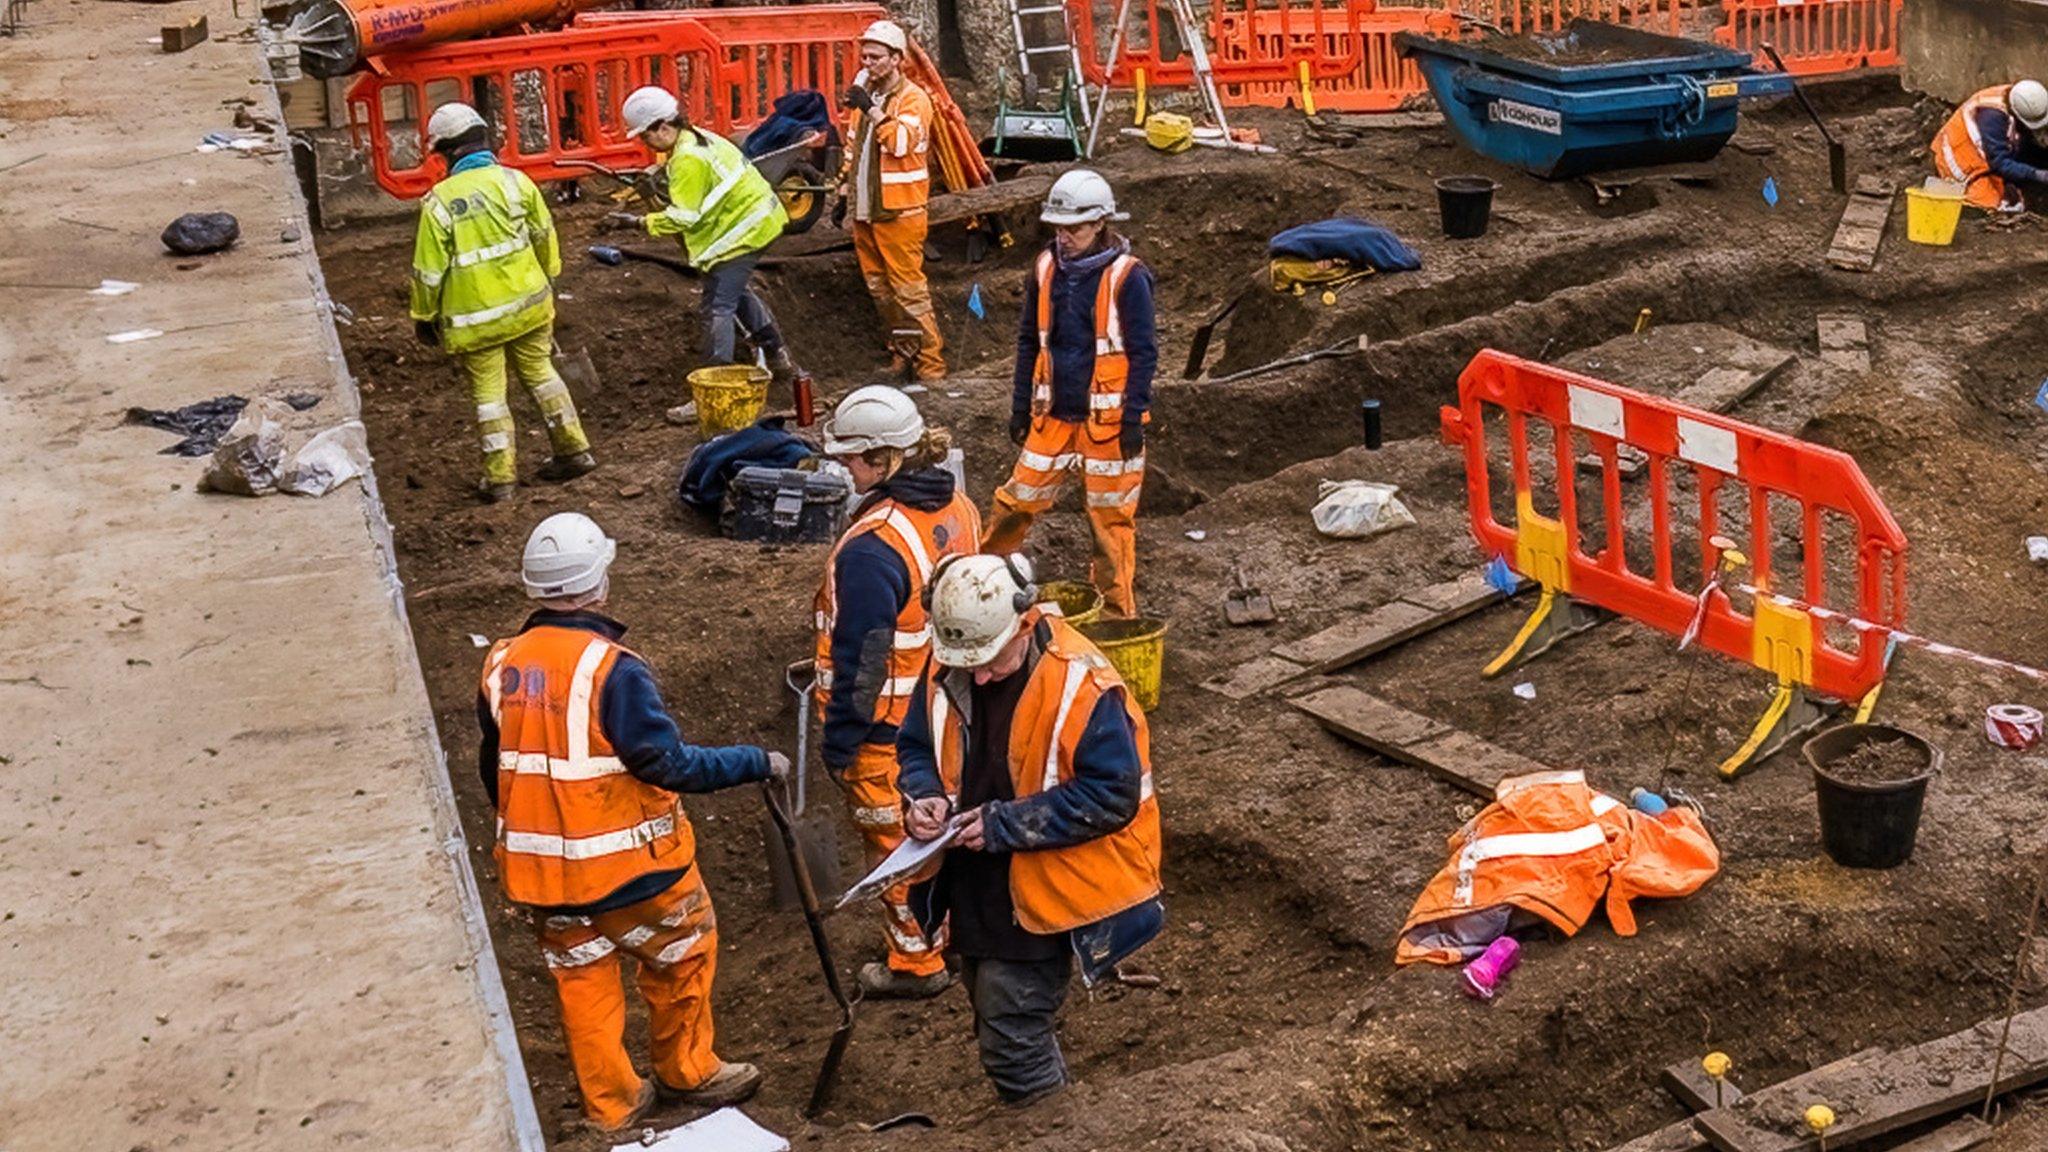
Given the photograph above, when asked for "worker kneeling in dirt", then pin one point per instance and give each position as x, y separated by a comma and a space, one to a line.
1082, 392
874, 637
1997, 144
886, 182
583, 763
724, 213
483, 267
1023, 738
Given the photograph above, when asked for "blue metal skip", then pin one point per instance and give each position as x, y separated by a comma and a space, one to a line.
1589, 97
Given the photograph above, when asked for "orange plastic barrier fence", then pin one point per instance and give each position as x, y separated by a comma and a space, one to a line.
554, 96
1380, 82
1700, 463
1817, 36
1246, 45
1518, 16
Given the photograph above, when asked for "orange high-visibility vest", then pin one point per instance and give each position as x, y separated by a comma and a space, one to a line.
573, 824
902, 146
922, 539
1551, 846
1112, 367
1060, 889
1959, 153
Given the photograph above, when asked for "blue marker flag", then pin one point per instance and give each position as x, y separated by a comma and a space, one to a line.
1771, 191
1501, 577
974, 304
2041, 397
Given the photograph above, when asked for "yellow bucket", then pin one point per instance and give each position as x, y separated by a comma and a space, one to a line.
1079, 603
729, 397
1932, 214
1138, 649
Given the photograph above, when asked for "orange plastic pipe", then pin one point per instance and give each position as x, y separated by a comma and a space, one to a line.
336, 36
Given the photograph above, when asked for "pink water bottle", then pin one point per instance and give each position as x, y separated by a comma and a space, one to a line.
1483, 976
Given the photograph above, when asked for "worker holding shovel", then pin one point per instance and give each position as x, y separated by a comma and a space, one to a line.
1022, 744
583, 764
725, 214
483, 269
1086, 351
874, 637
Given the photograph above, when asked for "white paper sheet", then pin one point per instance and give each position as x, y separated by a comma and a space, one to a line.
908, 857
726, 1130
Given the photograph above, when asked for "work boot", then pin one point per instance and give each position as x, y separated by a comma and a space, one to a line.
560, 468
881, 982
491, 493
733, 1083
649, 1096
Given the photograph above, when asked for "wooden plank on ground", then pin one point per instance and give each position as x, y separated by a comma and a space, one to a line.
1456, 756
1886, 1091
1704, 365
1958, 1135
178, 37
1844, 342
1684, 1137
1695, 1089
1861, 231
1410, 615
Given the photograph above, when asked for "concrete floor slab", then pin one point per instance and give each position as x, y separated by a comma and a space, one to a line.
237, 911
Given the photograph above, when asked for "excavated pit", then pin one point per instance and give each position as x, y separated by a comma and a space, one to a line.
1292, 856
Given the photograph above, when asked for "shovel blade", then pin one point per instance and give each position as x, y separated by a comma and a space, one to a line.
1248, 607
1838, 166
577, 372
818, 838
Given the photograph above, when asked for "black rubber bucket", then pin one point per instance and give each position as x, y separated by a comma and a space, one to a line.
1865, 822
1466, 203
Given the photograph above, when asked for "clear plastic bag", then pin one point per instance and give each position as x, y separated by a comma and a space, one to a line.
1354, 509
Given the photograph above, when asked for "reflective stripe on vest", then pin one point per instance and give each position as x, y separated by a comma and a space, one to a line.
486, 315
587, 847
1109, 337
519, 242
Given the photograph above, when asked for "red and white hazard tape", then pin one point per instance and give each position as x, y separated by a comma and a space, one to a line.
1899, 636
2013, 726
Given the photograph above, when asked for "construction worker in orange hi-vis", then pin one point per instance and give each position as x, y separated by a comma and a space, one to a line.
885, 183
583, 763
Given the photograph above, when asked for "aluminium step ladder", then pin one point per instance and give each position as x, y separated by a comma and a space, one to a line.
1048, 60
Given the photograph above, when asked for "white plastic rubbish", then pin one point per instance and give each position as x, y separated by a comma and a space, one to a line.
1354, 509
328, 461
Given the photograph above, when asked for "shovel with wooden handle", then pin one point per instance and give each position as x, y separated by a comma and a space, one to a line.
816, 830
1838, 157
814, 919
577, 371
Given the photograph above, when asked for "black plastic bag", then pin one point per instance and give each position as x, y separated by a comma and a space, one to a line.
198, 233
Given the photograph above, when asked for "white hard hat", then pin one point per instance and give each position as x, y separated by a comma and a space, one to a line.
648, 106
2029, 101
888, 34
451, 120
567, 555
1078, 197
977, 603
877, 416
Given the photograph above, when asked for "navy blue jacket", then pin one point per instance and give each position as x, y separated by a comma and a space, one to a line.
1995, 128
1101, 797
1072, 342
637, 725
872, 586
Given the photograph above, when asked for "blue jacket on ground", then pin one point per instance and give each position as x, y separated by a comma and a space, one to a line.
714, 463
1072, 344
1360, 243
796, 115
872, 587
1994, 129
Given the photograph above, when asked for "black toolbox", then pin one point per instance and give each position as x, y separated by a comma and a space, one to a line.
785, 506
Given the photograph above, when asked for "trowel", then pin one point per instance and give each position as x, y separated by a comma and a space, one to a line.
1245, 604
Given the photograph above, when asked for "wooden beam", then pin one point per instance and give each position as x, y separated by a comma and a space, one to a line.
178, 37
1861, 231
1958, 1135
1684, 1137
1453, 755
1886, 1091
1690, 1083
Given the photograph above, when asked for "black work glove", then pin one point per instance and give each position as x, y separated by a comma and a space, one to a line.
858, 97
425, 332
1020, 427
1131, 440
839, 209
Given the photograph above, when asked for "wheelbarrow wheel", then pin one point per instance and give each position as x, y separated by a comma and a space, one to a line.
798, 191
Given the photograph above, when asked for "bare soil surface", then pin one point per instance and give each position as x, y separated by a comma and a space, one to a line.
1878, 762
1292, 856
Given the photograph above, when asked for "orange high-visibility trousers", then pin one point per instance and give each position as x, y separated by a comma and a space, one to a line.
1052, 449
876, 808
891, 254
674, 936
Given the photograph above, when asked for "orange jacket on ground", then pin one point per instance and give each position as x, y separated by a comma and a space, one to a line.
1551, 847
889, 169
1959, 148
1087, 878
1112, 367
920, 539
